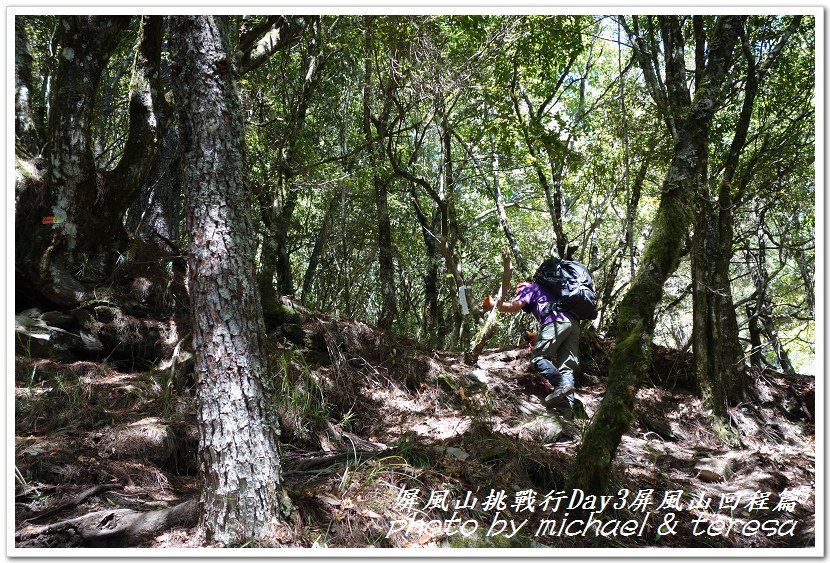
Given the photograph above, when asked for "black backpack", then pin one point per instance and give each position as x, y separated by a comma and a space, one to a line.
572, 282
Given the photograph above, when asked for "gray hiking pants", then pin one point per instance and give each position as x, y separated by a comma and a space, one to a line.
555, 354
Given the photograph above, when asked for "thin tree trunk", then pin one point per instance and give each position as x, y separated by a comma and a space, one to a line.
276, 255
631, 358
755, 343
239, 462
491, 320
806, 268
763, 313
386, 266
505, 224
627, 245
433, 329
282, 267
319, 246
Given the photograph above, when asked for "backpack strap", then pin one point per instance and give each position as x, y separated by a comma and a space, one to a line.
549, 308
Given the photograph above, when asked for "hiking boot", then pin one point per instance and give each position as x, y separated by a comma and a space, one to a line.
559, 393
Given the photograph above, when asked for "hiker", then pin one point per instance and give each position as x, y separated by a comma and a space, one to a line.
555, 356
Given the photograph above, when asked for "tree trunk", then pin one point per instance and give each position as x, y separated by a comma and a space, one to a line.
24, 125
499, 198
278, 216
386, 266
532, 130
719, 362
805, 268
433, 330
154, 215
762, 316
717, 352
755, 343
319, 246
70, 233
491, 321
627, 245
239, 463
631, 358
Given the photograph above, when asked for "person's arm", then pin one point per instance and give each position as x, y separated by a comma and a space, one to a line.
511, 306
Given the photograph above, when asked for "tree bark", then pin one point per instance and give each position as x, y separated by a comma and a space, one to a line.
76, 249
631, 358
239, 462
24, 125
155, 214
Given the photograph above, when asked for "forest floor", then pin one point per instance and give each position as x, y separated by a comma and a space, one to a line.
386, 443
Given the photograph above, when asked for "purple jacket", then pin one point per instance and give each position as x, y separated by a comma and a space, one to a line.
535, 297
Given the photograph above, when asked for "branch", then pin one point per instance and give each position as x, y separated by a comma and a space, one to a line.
145, 99
490, 324
279, 34
779, 46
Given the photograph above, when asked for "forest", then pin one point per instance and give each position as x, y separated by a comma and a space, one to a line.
264, 268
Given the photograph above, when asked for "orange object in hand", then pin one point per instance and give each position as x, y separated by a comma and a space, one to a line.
487, 303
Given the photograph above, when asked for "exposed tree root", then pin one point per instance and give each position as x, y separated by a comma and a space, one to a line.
108, 528
78, 499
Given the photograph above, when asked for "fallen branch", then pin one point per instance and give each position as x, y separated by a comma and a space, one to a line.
490, 323
109, 528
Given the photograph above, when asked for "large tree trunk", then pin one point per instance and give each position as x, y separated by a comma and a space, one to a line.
69, 233
631, 358
718, 355
239, 462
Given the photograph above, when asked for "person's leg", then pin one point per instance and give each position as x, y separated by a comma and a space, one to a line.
544, 358
567, 354
544, 353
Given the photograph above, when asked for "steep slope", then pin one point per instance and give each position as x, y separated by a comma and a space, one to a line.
387, 443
